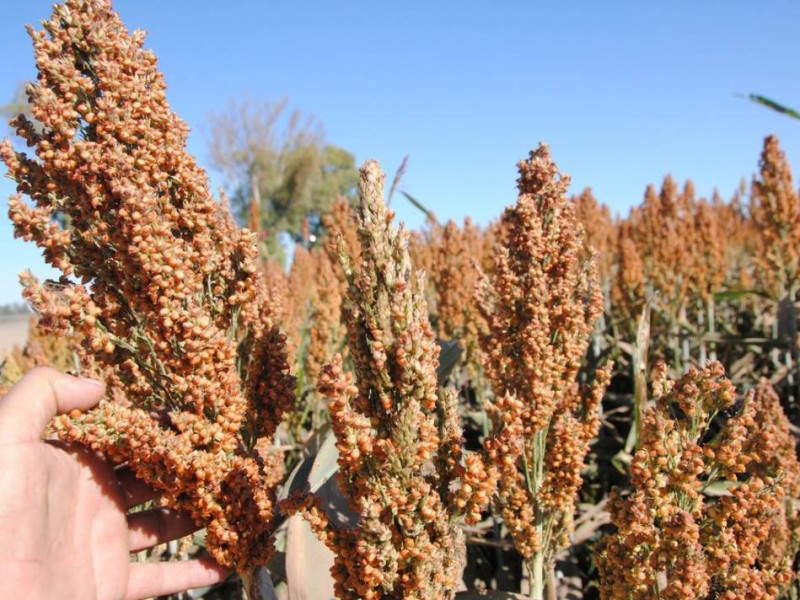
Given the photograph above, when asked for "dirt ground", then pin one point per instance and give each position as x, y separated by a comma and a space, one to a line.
13, 332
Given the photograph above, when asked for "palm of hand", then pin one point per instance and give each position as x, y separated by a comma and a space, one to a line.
64, 527
67, 526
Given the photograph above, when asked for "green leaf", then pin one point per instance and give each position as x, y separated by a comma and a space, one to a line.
776, 106
728, 295
449, 353
641, 350
199, 538
719, 488
420, 206
308, 562
626, 347
326, 463
621, 461
314, 470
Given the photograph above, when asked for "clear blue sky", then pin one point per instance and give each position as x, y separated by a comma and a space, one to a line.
624, 92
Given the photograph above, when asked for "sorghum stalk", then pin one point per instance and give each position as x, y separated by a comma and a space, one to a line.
162, 287
775, 211
401, 463
711, 260
658, 229
540, 306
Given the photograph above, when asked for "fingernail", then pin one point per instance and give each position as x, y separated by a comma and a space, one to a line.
92, 381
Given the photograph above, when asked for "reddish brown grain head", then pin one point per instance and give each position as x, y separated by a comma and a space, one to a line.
162, 286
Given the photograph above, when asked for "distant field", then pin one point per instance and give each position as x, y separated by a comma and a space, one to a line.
13, 332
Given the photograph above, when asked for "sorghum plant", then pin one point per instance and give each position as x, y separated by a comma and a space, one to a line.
738, 230
421, 250
342, 226
326, 331
277, 284
658, 229
323, 335
540, 306
677, 539
39, 350
628, 291
455, 256
600, 236
707, 268
158, 282
600, 232
774, 455
674, 249
709, 246
775, 212
401, 463
301, 288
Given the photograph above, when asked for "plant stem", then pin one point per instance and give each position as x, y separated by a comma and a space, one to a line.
535, 567
700, 325
257, 584
534, 478
551, 582
640, 376
711, 328
685, 350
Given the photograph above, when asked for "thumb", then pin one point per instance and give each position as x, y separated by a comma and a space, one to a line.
39, 396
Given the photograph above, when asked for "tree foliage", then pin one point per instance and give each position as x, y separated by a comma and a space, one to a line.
280, 171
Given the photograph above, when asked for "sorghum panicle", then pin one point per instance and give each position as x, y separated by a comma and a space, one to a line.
658, 228
540, 306
161, 285
453, 274
775, 211
600, 233
628, 289
709, 245
676, 540
342, 227
326, 330
398, 435
301, 289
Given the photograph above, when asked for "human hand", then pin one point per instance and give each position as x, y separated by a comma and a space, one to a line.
64, 529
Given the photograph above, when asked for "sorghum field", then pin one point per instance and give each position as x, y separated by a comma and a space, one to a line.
559, 405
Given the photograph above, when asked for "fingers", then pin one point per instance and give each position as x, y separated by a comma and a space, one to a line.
156, 526
146, 580
40, 395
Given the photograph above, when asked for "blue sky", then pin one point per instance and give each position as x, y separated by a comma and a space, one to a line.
624, 92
